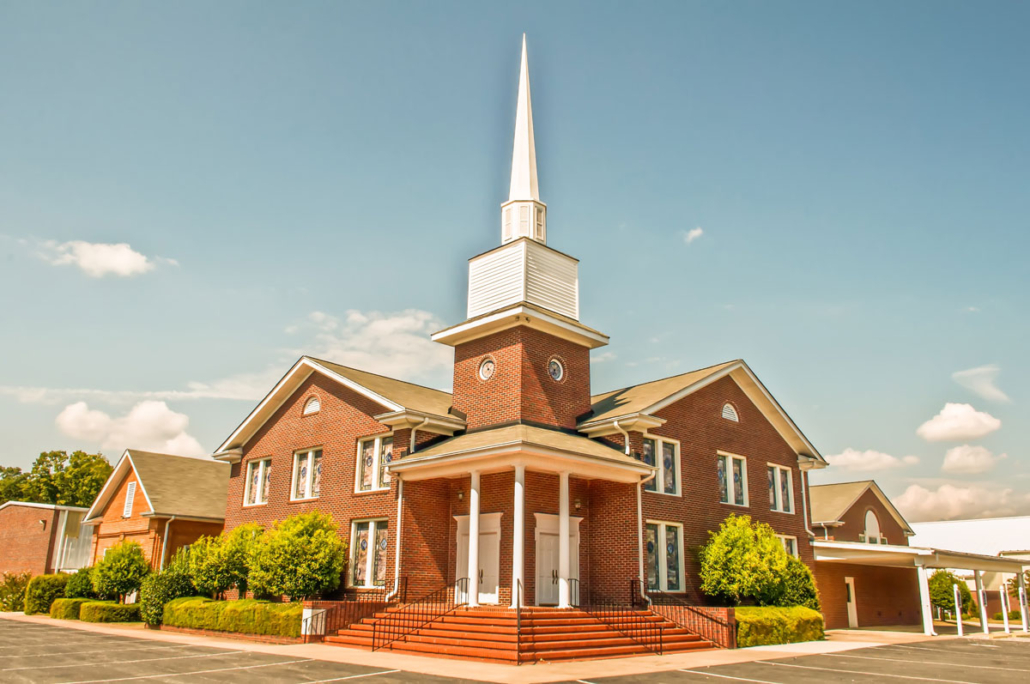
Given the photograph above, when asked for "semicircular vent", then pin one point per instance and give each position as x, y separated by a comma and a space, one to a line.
730, 413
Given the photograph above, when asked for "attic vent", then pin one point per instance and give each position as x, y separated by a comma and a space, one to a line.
730, 413
312, 406
130, 494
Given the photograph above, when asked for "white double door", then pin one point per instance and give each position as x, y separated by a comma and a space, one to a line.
547, 552
489, 581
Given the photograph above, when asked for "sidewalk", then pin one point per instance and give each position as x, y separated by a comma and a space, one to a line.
837, 641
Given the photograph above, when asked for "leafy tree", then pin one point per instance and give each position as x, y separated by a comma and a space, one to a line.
12, 484
796, 587
121, 571
742, 562
56, 478
82, 480
12, 590
42, 484
239, 548
300, 556
942, 594
208, 568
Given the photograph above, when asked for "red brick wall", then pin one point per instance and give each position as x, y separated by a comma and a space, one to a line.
613, 543
25, 544
113, 528
521, 388
696, 422
885, 596
854, 522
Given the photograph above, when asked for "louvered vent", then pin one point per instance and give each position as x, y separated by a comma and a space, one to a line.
312, 406
130, 495
730, 413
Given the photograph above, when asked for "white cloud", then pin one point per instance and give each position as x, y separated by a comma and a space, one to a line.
970, 460
950, 502
602, 357
956, 423
97, 259
869, 460
980, 380
692, 234
149, 425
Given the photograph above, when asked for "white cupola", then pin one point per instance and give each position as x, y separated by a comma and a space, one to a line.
524, 215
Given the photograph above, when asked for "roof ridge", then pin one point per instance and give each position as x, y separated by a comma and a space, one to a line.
668, 377
203, 459
378, 375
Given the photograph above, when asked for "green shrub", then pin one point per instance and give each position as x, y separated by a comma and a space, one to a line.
246, 616
108, 611
121, 571
42, 591
80, 585
160, 588
765, 626
208, 568
300, 556
795, 588
1013, 616
67, 608
238, 550
742, 562
12, 591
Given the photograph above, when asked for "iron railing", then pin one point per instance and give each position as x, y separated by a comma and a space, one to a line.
332, 616
399, 623
695, 619
630, 618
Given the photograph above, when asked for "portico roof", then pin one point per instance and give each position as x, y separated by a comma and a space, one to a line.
538, 448
891, 555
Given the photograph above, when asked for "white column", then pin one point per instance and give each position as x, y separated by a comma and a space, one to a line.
1004, 595
1023, 602
518, 539
981, 598
563, 541
924, 601
958, 609
474, 540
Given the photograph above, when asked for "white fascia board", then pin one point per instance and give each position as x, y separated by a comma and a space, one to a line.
117, 475
445, 425
635, 422
513, 316
33, 504
972, 561
871, 549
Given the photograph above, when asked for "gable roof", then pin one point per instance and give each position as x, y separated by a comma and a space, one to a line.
650, 397
172, 485
393, 395
831, 502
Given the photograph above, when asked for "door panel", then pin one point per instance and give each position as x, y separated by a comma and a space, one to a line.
489, 570
547, 570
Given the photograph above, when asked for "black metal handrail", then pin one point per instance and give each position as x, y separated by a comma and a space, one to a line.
399, 623
629, 618
694, 619
332, 616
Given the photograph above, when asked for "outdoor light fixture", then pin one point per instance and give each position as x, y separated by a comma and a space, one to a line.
461, 495
577, 504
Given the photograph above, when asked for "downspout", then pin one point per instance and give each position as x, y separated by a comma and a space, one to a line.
414, 430
625, 435
640, 536
397, 553
164, 544
804, 500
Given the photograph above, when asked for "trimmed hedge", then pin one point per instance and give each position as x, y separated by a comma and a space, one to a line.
765, 626
109, 611
42, 591
67, 608
80, 585
246, 616
1013, 616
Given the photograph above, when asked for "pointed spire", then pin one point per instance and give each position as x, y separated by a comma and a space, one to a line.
523, 159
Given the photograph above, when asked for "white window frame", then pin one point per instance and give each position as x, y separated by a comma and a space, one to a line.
264, 464
776, 505
130, 498
370, 562
308, 454
377, 486
783, 540
663, 567
659, 477
865, 537
730, 489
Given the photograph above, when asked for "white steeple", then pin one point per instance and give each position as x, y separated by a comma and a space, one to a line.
524, 215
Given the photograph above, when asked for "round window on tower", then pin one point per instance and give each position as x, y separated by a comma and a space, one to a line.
487, 368
556, 369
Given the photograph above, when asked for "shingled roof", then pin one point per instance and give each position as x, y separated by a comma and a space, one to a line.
830, 502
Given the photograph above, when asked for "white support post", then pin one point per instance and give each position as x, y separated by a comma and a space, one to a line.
958, 609
563, 542
981, 597
518, 542
924, 601
473, 592
1023, 601
1004, 594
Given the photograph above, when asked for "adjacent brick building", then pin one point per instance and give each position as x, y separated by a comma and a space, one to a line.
43, 538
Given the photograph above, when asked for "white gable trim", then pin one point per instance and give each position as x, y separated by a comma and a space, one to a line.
894, 512
120, 472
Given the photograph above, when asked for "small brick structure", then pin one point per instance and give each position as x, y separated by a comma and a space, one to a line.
36, 538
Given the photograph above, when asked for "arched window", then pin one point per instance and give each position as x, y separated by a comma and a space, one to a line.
730, 413
312, 406
872, 528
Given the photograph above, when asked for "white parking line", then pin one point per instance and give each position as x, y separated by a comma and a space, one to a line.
94, 651
862, 672
919, 662
357, 676
722, 676
183, 674
122, 662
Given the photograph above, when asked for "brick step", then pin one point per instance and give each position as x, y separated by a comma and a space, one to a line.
487, 638
508, 655
597, 634
610, 652
609, 641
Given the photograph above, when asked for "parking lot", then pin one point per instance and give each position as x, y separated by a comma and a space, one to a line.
33, 652
960, 661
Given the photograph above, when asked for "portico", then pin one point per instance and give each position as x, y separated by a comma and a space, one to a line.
526, 463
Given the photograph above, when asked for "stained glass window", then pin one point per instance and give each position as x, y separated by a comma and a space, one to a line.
664, 455
366, 471
780, 489
379, 561
732, 473
663, 542
369, 543
652, 550
385, 456
738, 481
672, 558
307, 474
669, 467
648, 458
773, 504
316, 474
374, 455
724, 491
785, 490
359, 554
259, 474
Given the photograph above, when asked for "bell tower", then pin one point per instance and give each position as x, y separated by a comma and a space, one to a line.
522, 356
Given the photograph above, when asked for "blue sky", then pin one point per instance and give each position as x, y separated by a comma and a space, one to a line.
312, 177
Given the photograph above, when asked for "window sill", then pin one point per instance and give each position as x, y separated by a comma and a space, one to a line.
776, 510
255, 505
735, 505
307, 500
378, 490
652, 491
